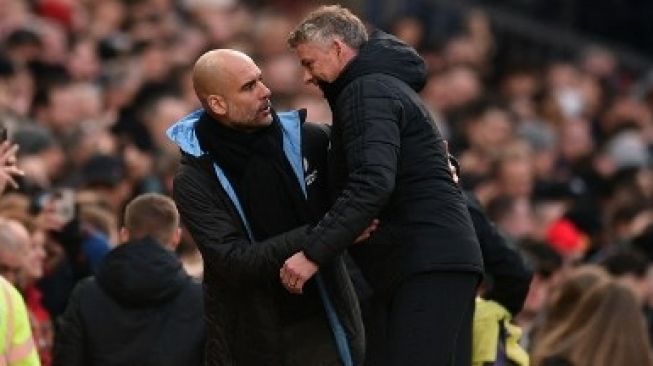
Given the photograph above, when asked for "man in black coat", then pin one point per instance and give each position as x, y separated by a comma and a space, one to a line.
507, 276
249, 183
141, 308
388, 160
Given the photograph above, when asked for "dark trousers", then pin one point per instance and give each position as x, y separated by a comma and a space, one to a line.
427, 321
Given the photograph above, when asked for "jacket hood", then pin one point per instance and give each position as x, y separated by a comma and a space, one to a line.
141, 273
183, 134
382, 54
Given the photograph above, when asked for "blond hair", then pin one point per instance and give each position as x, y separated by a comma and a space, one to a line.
152, 214
328, 22
606, 328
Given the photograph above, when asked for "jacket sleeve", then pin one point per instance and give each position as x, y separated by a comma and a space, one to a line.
509, 276
370, 119
69, 347
227, 252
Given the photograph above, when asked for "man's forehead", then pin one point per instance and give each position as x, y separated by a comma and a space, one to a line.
243, 73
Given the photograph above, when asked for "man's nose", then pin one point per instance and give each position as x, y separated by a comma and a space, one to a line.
308, 77
266, 91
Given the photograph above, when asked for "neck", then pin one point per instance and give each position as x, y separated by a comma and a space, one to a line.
348, 54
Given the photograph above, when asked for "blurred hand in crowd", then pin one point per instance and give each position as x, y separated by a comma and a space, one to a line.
8, 169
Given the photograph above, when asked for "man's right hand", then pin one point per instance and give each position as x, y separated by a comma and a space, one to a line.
367, 232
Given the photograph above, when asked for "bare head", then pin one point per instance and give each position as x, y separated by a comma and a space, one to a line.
326, 40
230, 87
152, 215
14, 244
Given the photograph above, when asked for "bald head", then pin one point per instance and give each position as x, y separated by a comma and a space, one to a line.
215, 70
230, 87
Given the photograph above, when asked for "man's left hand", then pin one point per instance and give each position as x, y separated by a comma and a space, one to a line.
296, 271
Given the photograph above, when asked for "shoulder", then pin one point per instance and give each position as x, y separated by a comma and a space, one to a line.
193, 171
318, 131
378, 89
85, 287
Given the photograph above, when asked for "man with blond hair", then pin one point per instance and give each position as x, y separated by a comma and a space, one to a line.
388, 160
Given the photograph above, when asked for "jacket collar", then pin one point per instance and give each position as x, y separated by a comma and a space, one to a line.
183, 134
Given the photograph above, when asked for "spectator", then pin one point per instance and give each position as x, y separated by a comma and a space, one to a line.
16, 344
604, 328
141, 306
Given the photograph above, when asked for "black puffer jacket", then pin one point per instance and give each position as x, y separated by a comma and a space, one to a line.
241, 277
140, 309
388, 161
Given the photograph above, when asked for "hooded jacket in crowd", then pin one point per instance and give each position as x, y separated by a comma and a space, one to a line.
141, 308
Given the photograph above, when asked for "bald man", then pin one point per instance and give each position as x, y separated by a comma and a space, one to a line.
250, 182
14, 245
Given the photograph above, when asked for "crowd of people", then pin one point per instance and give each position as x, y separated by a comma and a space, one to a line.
557, 154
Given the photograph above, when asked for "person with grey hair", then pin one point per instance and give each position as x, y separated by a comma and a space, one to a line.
388, 160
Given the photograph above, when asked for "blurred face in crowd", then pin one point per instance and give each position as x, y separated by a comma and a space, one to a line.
35, 257
491, 131
515, 177
322, 61
163, 114
231, 87
12, 261
518, 223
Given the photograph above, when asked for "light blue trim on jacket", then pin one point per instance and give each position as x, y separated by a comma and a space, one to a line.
292, 145
183, 134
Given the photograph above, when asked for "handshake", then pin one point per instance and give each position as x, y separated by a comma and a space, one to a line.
298, 269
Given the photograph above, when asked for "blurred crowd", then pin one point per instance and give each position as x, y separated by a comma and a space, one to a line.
558, 153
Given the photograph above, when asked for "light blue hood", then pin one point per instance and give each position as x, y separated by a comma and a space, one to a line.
182, 133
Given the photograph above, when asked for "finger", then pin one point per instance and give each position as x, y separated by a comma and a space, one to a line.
286, 286
11, 151
14, 170
12, 182
299, 286
283, 274
289, 284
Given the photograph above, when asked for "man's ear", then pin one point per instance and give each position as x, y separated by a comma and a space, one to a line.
175, 239
123, 235
337, 45
217, 104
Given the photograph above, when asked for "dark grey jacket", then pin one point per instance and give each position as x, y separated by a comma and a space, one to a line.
140, 309
241, 277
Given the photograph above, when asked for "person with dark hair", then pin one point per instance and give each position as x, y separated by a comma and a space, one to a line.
546, 265
388, 160
141, 307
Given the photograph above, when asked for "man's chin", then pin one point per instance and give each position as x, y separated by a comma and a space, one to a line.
267, 120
